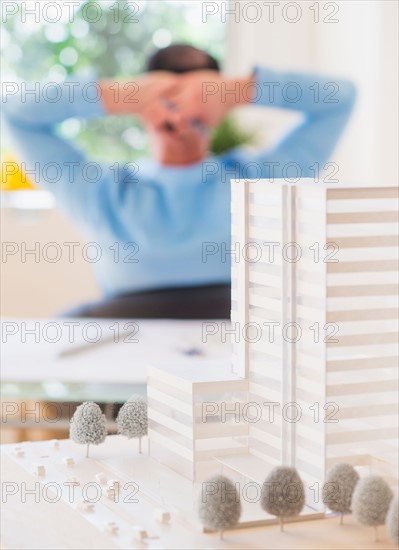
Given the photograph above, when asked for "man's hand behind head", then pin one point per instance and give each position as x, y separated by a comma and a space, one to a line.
207, 96
169, 100
144, 97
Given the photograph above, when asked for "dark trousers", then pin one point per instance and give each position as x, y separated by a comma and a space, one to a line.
200, 302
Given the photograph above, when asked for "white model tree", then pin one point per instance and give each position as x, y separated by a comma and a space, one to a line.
283, 493
392, 521
88, 425
338, 488
370, 502
219, 507
132, 419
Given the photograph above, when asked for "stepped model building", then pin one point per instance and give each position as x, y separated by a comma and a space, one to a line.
314, 309
186, 425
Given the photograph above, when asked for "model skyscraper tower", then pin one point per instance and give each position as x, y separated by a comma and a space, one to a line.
316, 284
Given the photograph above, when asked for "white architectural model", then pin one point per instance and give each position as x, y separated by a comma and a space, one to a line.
314, 307
313, 382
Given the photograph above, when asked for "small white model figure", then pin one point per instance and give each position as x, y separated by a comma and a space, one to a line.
18, 452
101, 478
68, 461
39, 469
112, 528
113, 484
85, 506
54, 443
139, 533
73, 479
110, 493
162, 515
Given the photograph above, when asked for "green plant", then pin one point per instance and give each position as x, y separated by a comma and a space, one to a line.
229, 135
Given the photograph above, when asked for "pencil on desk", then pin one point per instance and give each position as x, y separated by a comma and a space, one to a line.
87, 346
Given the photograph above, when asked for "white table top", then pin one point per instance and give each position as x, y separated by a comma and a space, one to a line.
33, 357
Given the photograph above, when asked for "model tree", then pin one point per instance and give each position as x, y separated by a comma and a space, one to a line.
283, 493
338, 488
132, 419
219, 506
392, 521
370, 501
88, 425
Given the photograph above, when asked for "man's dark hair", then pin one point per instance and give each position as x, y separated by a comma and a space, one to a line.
181, 58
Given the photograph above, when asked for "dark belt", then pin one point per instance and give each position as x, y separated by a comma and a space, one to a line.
199, 302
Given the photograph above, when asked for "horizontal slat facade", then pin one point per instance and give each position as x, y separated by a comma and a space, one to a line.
346, 276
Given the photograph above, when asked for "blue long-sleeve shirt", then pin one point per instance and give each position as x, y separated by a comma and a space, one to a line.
151, 222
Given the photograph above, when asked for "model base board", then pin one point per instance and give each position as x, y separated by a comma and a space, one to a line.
150, 506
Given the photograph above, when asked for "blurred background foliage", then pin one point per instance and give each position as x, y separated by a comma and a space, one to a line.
114, 46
